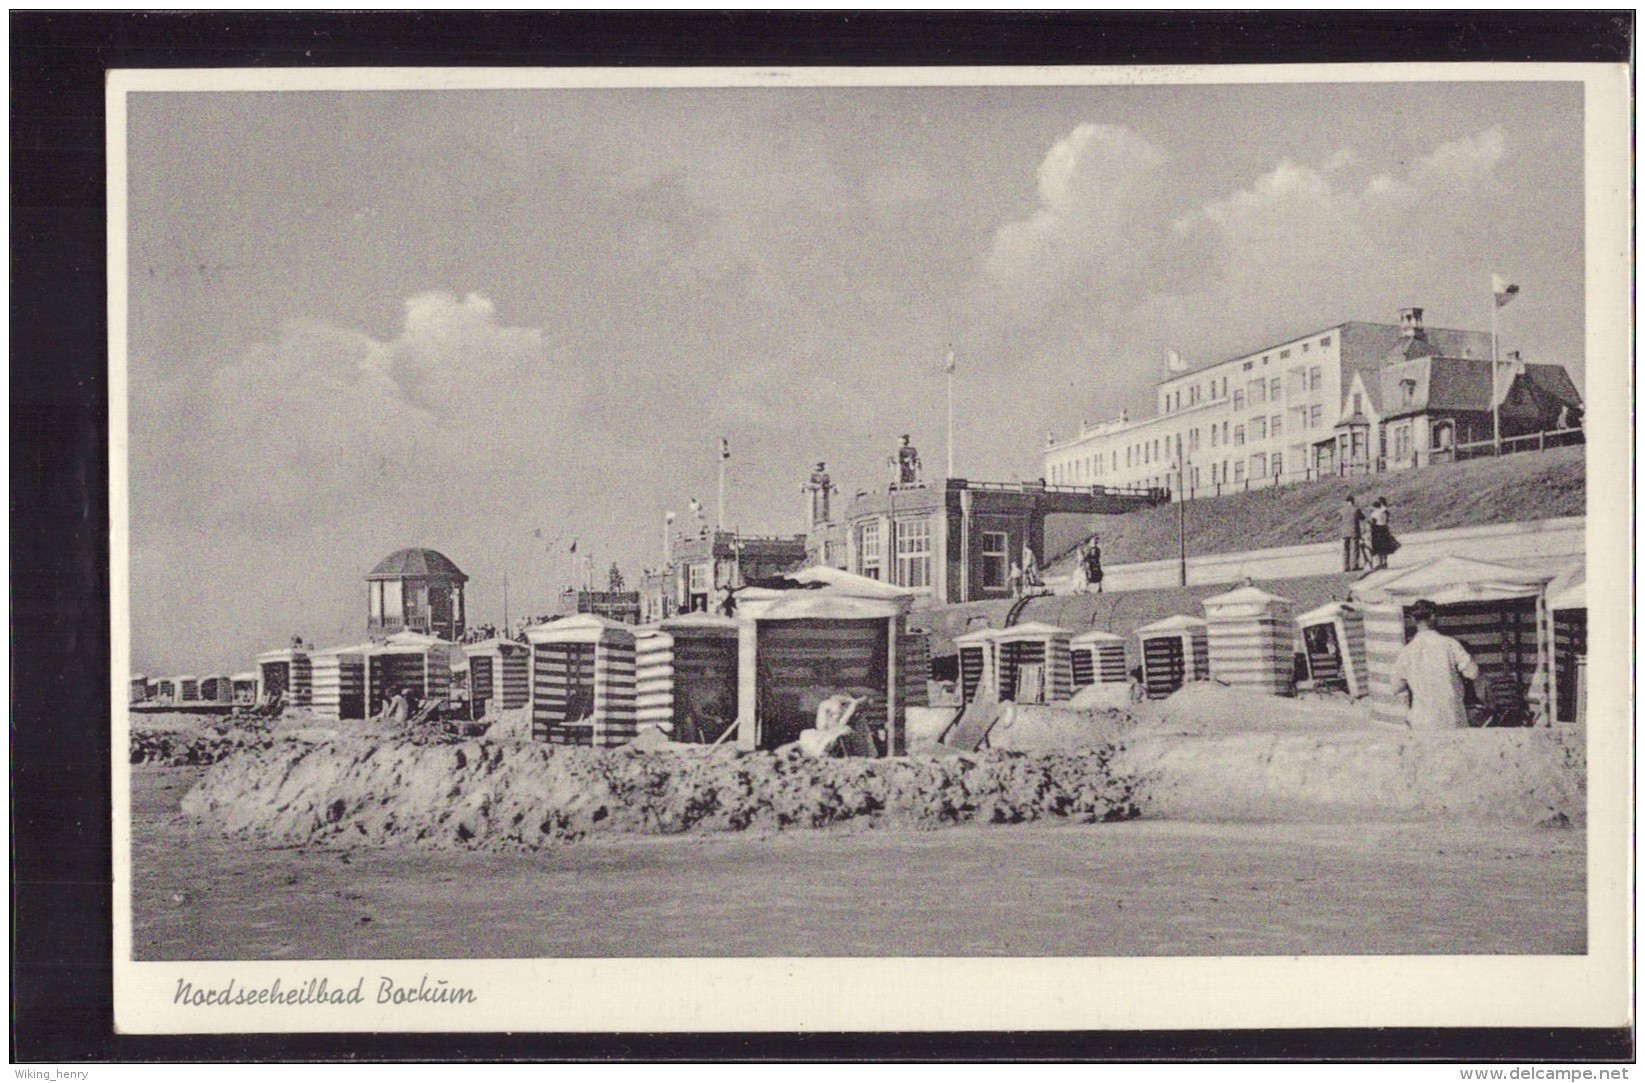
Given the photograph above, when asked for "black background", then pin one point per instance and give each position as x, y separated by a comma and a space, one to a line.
61, 850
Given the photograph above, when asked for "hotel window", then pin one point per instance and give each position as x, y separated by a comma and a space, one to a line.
1315, 376
1273, 425
994, 563
914, 553
1273, 389
1128, 458
1278, 463
1283, 354
1245, 367
1194, 473
1315, 414
1259, 429
1239, 399
1326, 341
1156, 450
1225, 432
1259, 391
1239, 435
1239, 472
1259, 465
1115, 454
1304, 347
1213, 436
697, 578
1193, 439
1193, 395
868, 549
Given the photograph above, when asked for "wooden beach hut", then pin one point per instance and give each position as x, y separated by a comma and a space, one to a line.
979, 663
243, 689
499, 675
338, 677
411, 660
582, 681
215, 688
165, 689
188, 688
1249, 636
1097, 658
1333, 639
653, 680
1034, 663
1497, 611
1174, 651
1568, 614
286, 673
139, 688
704, 659
838, 633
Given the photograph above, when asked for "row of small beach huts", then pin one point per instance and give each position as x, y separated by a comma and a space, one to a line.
592, 681
1526, 629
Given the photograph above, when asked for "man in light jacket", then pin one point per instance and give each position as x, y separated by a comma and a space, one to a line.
1431, 669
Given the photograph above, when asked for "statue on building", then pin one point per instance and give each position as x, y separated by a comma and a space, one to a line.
615, 578
820, 486
908, 463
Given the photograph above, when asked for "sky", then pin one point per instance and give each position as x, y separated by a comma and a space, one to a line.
495, 322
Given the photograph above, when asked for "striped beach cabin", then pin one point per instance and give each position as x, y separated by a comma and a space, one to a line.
582, 681
411, 660
704, 661
1174, 652
139, 688
1333, 639
244, 689
338, 676
653, 680
1497, 611
1249, 636
914, 666
165, 688
1568, 605
841, 634
1097, 658
1034, 663
499, 675
188, 688
286, 672
216, 689
979, 663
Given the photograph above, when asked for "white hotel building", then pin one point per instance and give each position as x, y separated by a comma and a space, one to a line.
1266, 417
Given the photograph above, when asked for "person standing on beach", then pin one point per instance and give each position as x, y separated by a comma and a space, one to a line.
1093, 564
1382, 536
1430, 670
1352, 520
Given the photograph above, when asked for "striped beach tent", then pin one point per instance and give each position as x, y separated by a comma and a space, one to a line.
286, 672
338, 681
582, 681
411, 660
653, 680
1174, 652
499, 674
1097, 658
1249, 636
1497, 611
705, 667
1034, 663
1333, 637
979, 663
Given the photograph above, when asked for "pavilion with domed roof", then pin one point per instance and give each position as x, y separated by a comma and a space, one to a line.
416, 590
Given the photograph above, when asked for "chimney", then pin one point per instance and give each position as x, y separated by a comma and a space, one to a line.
1410, 323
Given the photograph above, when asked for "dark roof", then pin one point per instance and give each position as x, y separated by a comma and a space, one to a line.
1464, 384
416, 563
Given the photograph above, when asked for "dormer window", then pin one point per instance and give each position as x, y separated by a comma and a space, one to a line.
1408, 387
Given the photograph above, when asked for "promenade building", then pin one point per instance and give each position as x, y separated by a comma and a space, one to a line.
1270, 416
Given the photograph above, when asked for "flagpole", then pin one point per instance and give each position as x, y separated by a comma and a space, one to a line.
1496, 418
719, 520
950, 368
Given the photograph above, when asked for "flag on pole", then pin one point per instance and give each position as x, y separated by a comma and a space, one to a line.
1174, 361
948, 363
668, 517
1505, 290
725, 448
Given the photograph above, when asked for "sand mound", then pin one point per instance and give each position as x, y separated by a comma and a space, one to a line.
1206, 707
1501, 776
1032, 727
173, 745
496, 795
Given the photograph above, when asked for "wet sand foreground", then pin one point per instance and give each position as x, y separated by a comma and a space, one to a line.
1136, 888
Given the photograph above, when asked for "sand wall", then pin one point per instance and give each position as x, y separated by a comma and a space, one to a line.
498, 795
